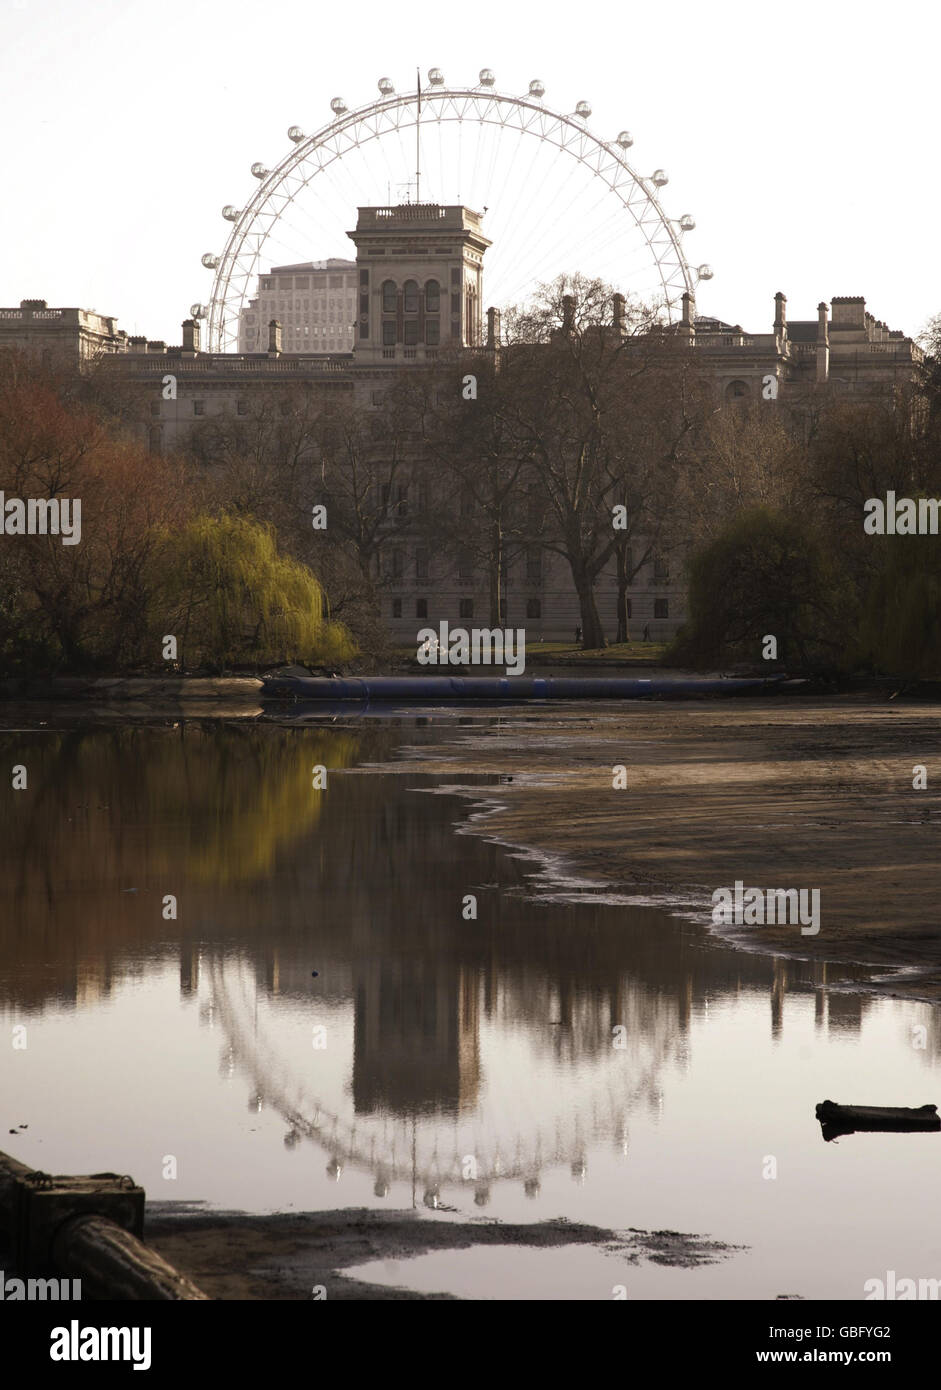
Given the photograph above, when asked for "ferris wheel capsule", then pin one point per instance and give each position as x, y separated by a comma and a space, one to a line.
705, 272
687, 222
234, 269
197, 311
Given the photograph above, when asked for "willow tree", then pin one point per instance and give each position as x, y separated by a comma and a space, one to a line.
230, 597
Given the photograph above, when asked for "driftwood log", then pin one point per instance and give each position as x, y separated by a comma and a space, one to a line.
871, 1119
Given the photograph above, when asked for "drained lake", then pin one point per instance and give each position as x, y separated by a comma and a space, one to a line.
258, 967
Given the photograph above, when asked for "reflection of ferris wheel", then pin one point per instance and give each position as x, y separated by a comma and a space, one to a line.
437, 1153
461, 139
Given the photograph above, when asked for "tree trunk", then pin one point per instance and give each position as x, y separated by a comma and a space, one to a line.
592, 631
495, 568
623, 581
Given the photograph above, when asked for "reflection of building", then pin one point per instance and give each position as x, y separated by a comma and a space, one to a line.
314, 302
416, 1048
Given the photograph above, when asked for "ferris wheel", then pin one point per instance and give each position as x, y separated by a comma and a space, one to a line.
554, 191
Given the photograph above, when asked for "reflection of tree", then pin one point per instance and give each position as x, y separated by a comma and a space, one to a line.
115, 819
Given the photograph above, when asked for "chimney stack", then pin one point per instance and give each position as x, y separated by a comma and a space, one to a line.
190, 336
493, 329
823, 345
274, 338
687, 325
619, 327
780, 314
568, 313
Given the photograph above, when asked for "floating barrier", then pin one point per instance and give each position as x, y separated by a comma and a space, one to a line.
444, 689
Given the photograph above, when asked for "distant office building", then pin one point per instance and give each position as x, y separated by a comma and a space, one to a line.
314, 301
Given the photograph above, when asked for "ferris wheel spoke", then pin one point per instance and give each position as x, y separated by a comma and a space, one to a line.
303, 203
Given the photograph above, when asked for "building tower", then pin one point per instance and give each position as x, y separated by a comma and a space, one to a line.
420, 270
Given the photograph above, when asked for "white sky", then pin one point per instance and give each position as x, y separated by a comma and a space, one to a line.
804, 137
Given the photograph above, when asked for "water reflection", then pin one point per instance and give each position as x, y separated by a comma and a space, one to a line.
457, 1054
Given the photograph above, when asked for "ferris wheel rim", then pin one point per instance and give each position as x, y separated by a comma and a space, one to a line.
671, 264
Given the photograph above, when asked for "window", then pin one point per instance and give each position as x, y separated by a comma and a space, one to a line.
199, 407
411, 296
421, 608
411, 332
661, 569
432, 297
401, 500
465, 565
432, 332
388, 333
467, 610
534, 565
241, 408
421, 564
388, 296
533, 608
397, 564
661, 608
396, 608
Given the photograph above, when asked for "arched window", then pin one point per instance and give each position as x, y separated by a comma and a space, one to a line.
432, 297
411, 296
388, 296
737, 391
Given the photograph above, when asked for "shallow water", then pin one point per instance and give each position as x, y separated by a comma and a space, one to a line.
587, 1059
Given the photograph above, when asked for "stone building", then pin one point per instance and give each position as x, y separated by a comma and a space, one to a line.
60, 337
416, 286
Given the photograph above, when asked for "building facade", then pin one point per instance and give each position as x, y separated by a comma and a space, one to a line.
415, 287
314, 301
